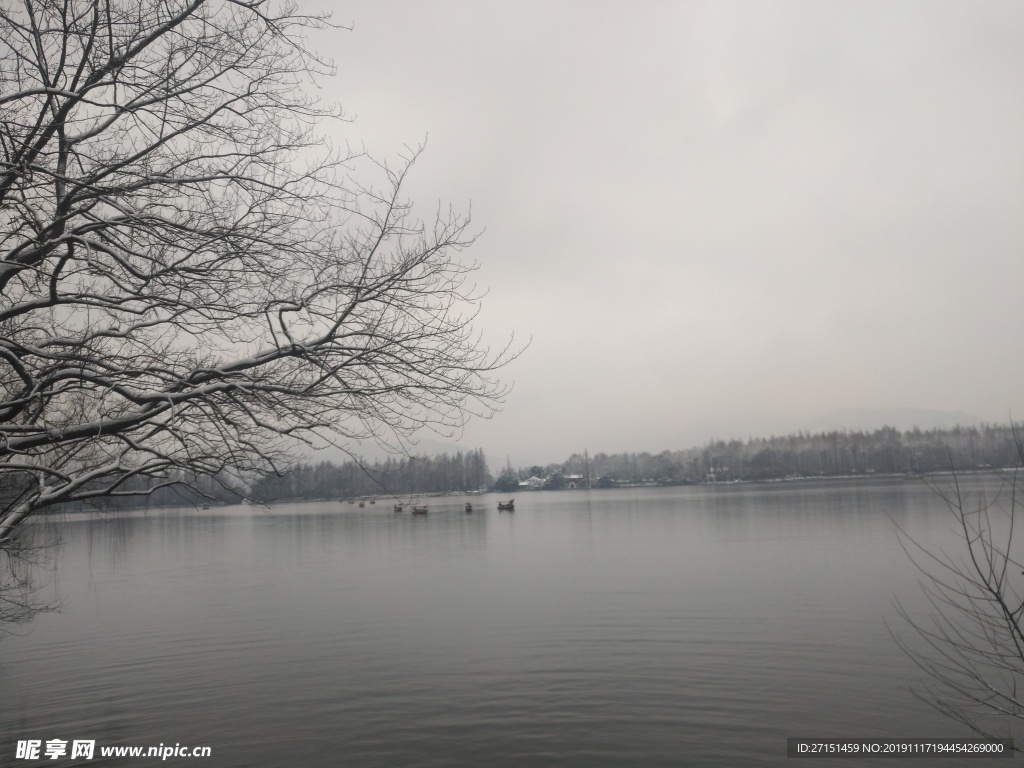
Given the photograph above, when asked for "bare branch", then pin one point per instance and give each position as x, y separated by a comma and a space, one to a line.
972, 643
191, 281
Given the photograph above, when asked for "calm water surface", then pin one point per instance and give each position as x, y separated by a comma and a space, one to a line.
655, 627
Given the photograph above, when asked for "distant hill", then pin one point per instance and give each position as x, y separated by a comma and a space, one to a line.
903, 419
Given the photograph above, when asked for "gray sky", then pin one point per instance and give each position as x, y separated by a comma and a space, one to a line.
715, 219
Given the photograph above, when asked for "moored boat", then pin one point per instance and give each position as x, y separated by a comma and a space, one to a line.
419, 510
399, 507
469, 507
507, 506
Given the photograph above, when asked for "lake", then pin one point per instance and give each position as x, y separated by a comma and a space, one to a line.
645, 626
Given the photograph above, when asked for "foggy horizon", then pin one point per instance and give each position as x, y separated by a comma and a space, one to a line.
866, 421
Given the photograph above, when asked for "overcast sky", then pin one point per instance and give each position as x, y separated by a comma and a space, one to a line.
715, 219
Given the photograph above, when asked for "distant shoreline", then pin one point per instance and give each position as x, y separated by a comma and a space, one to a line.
895, 476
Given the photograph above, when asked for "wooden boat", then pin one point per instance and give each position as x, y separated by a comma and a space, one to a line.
419, 510
373, 501
469, 507
507, 506
362, 504
398, 507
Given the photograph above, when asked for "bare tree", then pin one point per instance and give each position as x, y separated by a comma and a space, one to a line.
192, 280
971, 644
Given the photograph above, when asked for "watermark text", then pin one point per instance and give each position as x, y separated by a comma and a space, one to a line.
78, 749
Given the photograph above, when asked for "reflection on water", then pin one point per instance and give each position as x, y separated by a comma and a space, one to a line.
684, 626
23, 561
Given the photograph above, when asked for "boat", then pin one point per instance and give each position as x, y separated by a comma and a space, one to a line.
206, 506
398, 507
373, 501
469, 507
507, 506
362, 504
419, 510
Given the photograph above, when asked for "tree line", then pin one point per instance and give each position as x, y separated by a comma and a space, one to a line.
397, 476
828, 454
